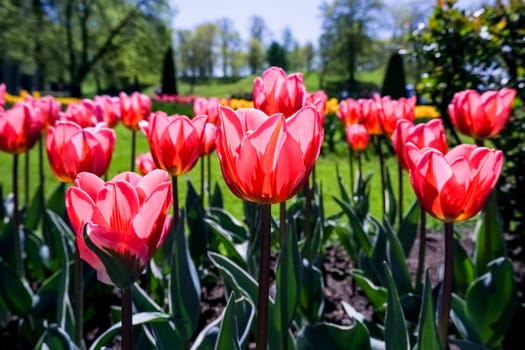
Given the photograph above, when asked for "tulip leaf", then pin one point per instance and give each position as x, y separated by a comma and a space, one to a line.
342, 188
468, 345
34, 212
184, 286
228, 335
331, 336
408, 228
390, 199
376, 295
288, 283
311, 296
490, 243
14, 291
235, 277
56, 202
216, 200
356, 227
55, 338
207, 338
138, 319
428, 336
490, 302
228, 222
222, 242
464, 271
198, 236
395, 324
397, 261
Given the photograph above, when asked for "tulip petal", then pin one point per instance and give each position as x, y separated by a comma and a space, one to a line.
149, 220
116, 205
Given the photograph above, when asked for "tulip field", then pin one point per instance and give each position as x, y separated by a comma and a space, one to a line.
292, 221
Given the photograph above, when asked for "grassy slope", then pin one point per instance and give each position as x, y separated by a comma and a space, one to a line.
325, 171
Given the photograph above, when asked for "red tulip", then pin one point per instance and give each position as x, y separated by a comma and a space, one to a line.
107, 109
318, 100
145, 163
357, 137
431, 134
80, 113
393, 110
275, 92
207, 132
207, 106
267, 159
370, 118
20, 127
49, 109
481, 116
133, 109
2, 95
125, 220
174, 142
72, 149
349, 111
454, 187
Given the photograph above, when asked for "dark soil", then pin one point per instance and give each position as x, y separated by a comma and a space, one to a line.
339, 286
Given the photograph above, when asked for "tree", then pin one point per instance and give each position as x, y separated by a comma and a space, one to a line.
229, 44
255, 55
276, 56
169, 80
308, 55
346, 32
258, 28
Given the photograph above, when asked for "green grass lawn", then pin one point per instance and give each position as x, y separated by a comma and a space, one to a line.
121, 161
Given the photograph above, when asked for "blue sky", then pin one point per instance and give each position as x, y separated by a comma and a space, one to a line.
301, 16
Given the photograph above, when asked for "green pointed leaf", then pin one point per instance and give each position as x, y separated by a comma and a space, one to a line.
222, 242
396, 335
460, 318
311, 296
330, 336
228, 222
408, 228
490, 243
288, 282
14, 291
356, 227
185, 286
228, 335
198, 237
468, 345
428, 336
390, 199
377, 295
464, 271
235, 277
397, 262
491, 302
35, 211
216, 197
56, 202
342, 188
55, 338
138, 319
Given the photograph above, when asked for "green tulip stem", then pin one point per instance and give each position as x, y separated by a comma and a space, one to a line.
381, 172
26, 178
133, 148
480, 142
422, 248
41, 171
400, 187
308, 211
16, 229
282, 222
175, 193
202, 161
264, 279
208, 182
127, 323
446, 290
79, 301
351, 167
359, 168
